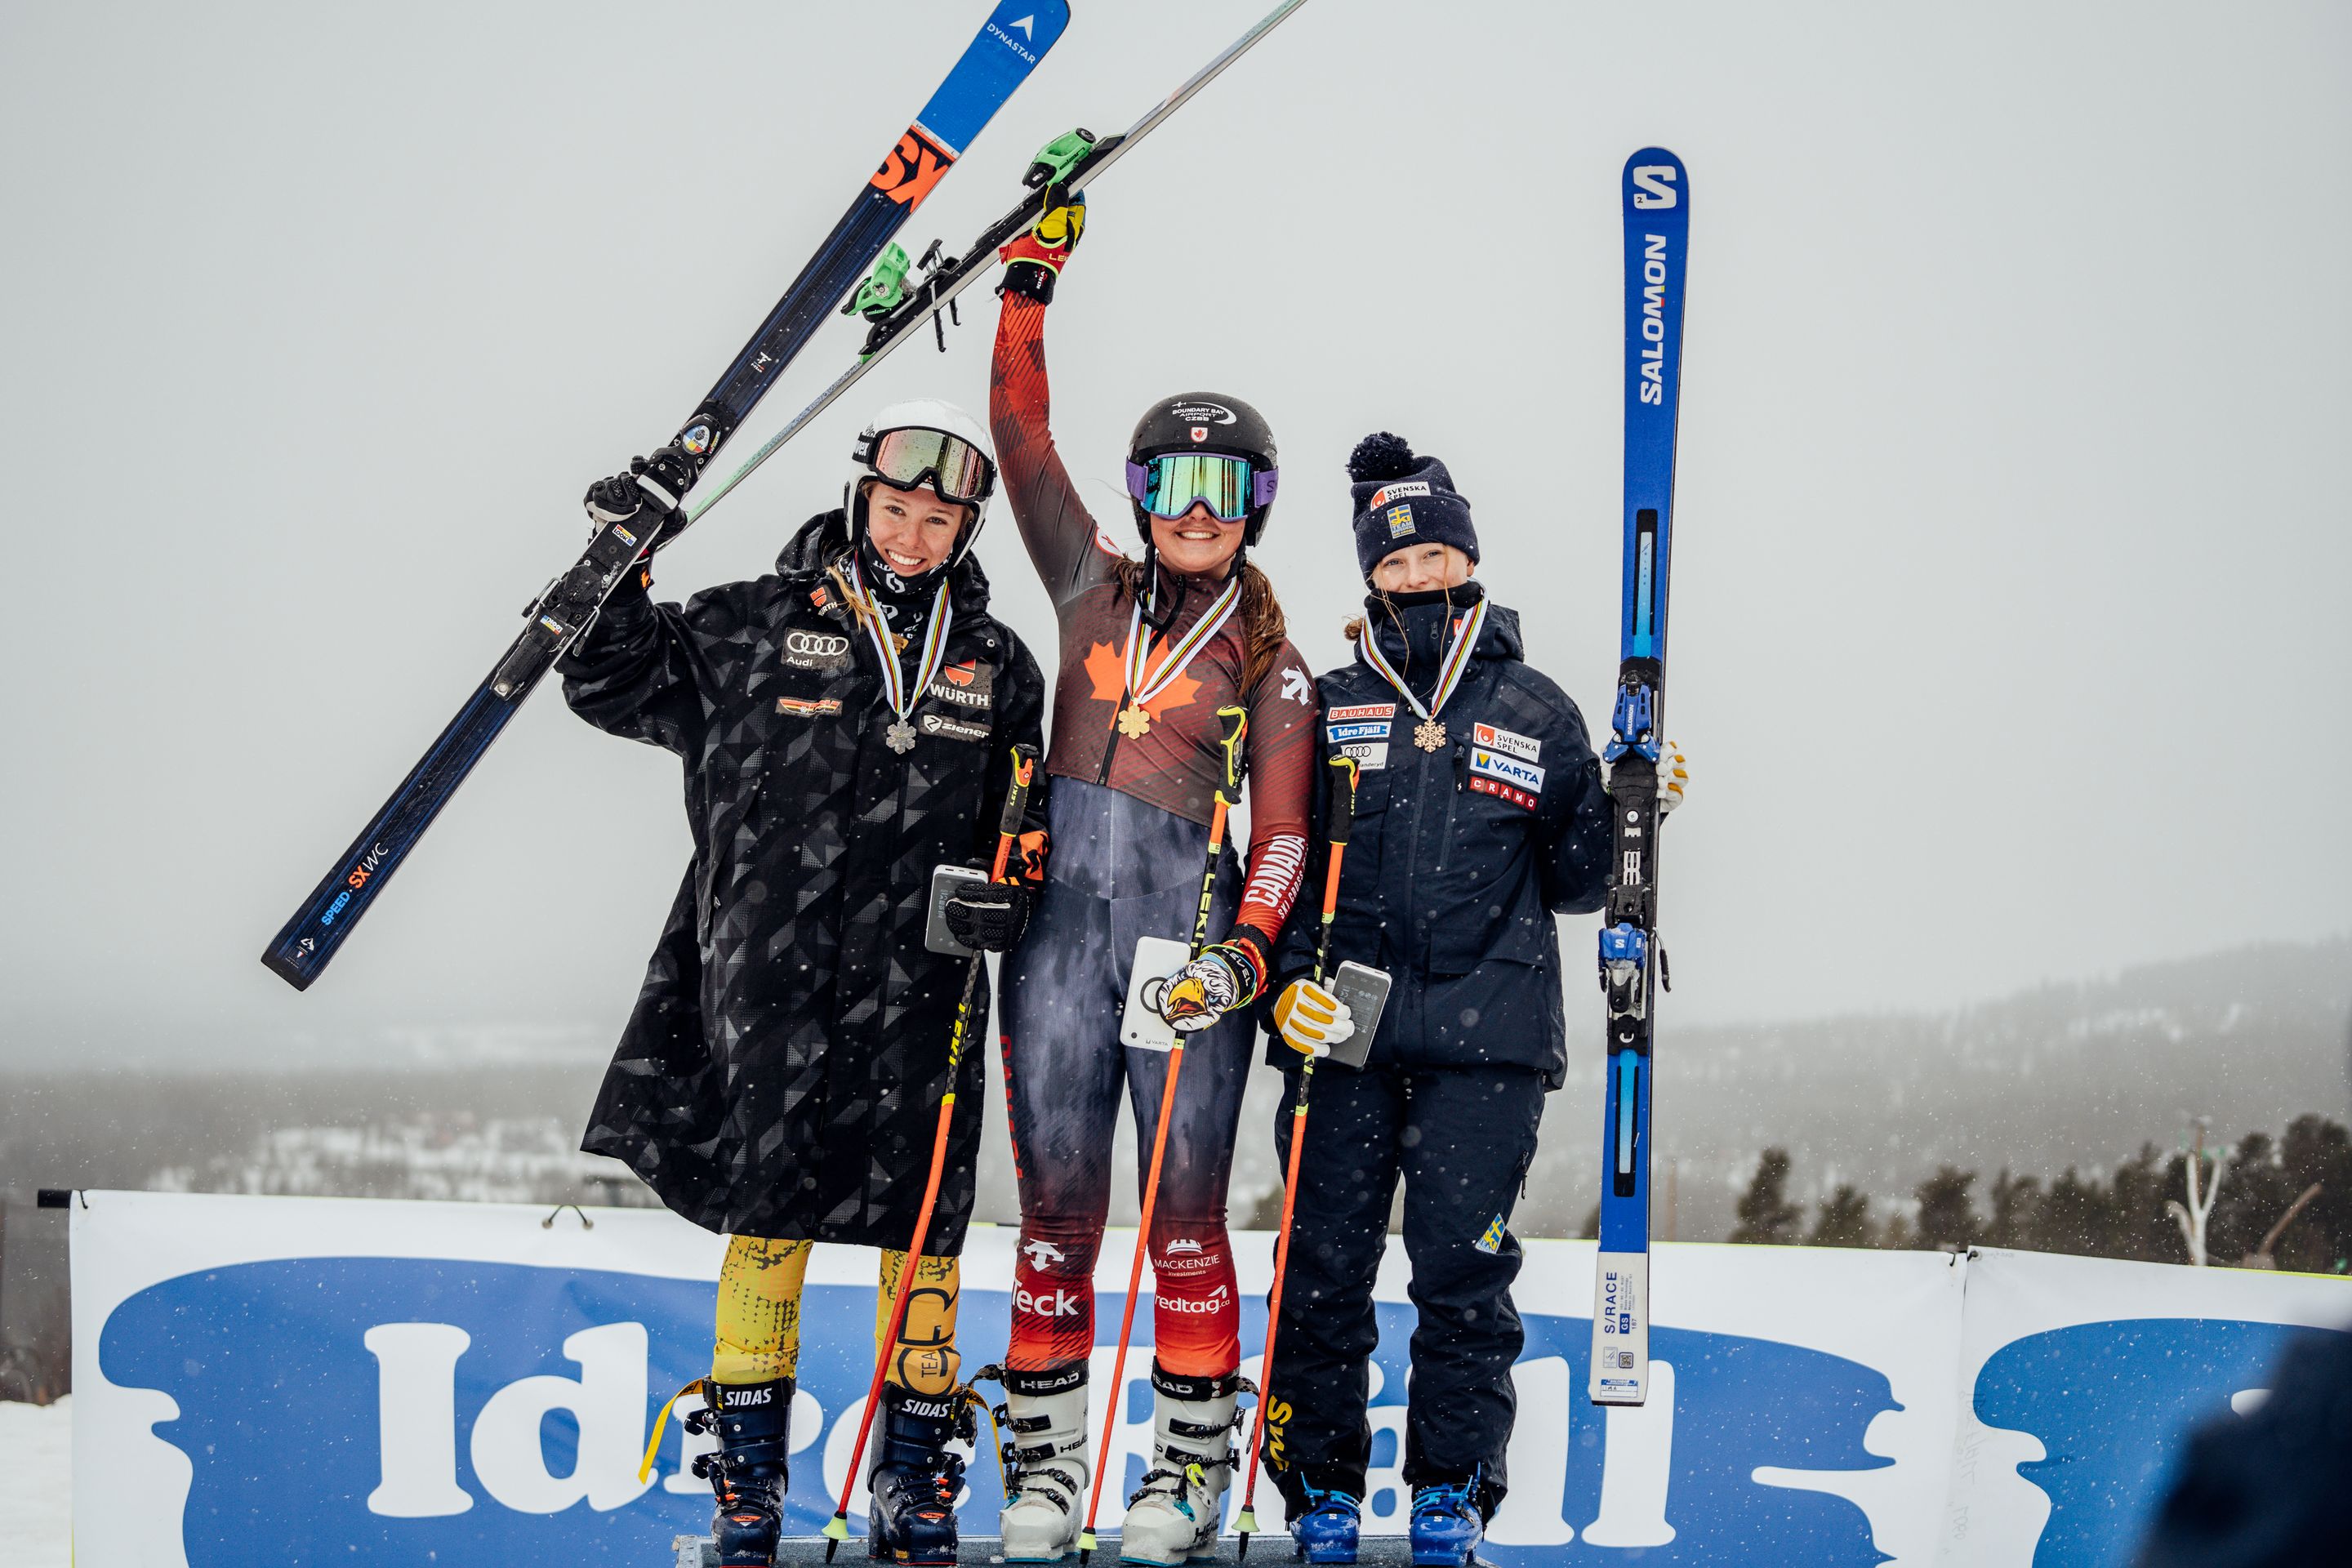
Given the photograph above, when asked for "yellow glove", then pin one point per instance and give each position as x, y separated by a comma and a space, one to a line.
1311, 1019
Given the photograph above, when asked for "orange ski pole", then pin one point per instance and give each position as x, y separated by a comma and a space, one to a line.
1236, 726
1008, 829
1342, 818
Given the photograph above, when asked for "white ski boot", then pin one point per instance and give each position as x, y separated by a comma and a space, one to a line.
1050, 1456
1180, 1511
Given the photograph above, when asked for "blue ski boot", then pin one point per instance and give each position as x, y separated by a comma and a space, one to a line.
915, 1478
1326, 1532
1446, 1524
748, 1472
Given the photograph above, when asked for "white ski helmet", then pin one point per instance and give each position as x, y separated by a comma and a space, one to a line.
961, 468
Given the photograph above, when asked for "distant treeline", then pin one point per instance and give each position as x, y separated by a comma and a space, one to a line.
2283, 1203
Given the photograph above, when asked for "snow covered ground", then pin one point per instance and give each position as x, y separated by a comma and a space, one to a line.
37, 1484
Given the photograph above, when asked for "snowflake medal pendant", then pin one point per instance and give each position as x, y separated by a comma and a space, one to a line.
1429, 734
899, 737
1134, 722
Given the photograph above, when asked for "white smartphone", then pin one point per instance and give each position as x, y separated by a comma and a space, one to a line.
1364, 991
945, 880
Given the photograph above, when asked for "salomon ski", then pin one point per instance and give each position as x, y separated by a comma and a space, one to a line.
1008, 46
1657, 195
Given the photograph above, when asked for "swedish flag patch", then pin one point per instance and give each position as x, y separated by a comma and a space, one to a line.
1400, 521
1492, 1241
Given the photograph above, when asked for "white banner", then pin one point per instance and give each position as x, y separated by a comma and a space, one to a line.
282, 1380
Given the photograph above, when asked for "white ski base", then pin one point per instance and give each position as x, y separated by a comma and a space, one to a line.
1621, 1329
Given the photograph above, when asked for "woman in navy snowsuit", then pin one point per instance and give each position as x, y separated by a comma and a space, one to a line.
1479, 816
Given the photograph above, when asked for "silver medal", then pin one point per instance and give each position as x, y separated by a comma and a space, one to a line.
899, 737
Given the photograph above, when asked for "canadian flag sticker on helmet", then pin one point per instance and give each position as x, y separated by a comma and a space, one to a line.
1200, 432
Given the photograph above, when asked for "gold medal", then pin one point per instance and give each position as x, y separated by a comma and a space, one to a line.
1134, 722
1429, 734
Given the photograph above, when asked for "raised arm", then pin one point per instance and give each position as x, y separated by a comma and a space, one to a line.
1060, 534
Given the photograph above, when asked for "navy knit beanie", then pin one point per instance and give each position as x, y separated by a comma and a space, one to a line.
1402, 500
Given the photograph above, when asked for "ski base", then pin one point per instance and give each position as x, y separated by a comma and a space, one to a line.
1621, 1329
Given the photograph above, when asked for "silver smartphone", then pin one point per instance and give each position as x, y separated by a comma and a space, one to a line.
1364, 992
945, 883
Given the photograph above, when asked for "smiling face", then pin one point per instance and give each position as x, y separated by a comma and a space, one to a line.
914, 531
1418, 567
1199, 544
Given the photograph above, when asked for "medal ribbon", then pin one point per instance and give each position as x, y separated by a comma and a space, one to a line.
1173, 662
1449, 673
895, 690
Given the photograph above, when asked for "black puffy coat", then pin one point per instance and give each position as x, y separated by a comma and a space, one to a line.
1459, 857
781, 1075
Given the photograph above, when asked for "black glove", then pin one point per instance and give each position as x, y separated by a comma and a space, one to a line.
989, 916
621, 499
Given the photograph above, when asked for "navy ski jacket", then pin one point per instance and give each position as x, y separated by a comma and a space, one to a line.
1460, 856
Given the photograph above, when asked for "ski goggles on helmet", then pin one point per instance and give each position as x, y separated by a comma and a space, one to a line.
1172, 483
959, 470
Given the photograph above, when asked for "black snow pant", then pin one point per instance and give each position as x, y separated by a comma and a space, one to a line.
1462, 1138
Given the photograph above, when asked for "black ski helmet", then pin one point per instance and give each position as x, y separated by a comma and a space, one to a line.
1205, 422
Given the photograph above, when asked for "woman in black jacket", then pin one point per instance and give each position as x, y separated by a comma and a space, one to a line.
1479, 816
846, 726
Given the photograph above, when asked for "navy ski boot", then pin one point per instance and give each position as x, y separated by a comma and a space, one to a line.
748, 1473
914, 1478
1447, 1523
1326, 1532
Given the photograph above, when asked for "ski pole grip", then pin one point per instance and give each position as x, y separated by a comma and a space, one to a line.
1342, 814
1016, 803
1237, 722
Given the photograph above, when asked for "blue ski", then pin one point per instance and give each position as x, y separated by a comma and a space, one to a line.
1008, 46
1657, 231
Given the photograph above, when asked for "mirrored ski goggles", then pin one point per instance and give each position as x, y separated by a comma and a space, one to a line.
959, 470
1170, 484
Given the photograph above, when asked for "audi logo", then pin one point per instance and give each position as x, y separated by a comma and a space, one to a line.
816, 644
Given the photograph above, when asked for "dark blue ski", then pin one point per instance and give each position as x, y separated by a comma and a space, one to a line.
1008, 46
1657, 230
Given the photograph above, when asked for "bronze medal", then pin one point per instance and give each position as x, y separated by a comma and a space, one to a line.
1429, 734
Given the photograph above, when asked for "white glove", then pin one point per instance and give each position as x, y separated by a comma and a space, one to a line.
1312, 1020
1673, 777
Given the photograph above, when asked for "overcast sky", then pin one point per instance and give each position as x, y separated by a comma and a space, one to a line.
2010, 631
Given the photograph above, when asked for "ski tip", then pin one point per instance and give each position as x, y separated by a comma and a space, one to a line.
1656, 181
